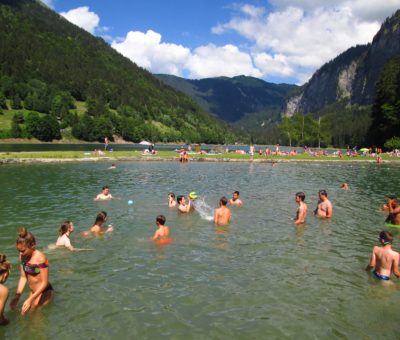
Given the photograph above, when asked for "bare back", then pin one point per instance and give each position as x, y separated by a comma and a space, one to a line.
222, 216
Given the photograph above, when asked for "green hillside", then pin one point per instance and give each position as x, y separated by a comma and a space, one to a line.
252, 106
49, 66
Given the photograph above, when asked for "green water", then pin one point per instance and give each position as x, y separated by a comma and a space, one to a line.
260, 277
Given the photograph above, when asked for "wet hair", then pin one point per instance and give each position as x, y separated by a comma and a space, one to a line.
161, 219
323, 192
392, 197
100, 218
223, 200
171, 194
25, 237
179, 198
5, 266
64, 227
236, 192
104, 213
386, 237
105, 187
301, 195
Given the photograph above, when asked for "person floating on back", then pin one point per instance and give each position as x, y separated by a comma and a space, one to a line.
4, 273
161, 236
324, 206
384, 260
301, 212
222, 215
235, 200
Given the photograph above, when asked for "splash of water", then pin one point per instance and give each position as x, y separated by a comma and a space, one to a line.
204, 210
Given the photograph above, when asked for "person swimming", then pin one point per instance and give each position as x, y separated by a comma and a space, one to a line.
4, 273
97, 227
161, 236
65, 231
182, 206
171, 200
235, 200
104, 195
35, 271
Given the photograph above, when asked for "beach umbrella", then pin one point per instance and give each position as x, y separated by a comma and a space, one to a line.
144, 142
364, 150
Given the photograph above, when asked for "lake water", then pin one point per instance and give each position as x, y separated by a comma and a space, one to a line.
260, 277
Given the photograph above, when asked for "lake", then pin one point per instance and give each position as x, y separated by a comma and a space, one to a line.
259, 277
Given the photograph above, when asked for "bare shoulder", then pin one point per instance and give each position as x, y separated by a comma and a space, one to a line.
40, 257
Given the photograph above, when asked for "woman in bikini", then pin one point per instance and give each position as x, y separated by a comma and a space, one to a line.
4, 273
34, 269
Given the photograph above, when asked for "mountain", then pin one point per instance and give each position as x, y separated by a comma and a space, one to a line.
352, 76
49, 66
249, 104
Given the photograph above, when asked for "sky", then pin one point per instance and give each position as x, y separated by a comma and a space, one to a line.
280, 41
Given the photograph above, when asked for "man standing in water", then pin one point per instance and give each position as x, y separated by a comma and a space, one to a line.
235, 200
324, 206
394, 210
222, 215
383, 259
183, 207
104, 195
302, 209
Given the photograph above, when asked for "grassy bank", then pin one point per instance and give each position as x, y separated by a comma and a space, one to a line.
171, 155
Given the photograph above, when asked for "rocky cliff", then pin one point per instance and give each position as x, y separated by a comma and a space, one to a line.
352, 75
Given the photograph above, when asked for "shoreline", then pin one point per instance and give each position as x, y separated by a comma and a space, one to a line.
148, 158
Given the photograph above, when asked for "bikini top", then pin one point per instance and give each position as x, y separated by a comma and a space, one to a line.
32, 269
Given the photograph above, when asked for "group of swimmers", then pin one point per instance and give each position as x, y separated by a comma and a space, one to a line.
34, 265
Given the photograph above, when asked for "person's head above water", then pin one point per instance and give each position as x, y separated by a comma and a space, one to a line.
385, 237
5, 268
105, 189
160, 220
223, 201
180, 199
26, 238
323, 193
101, 218
301, 196
235, 195
171, 194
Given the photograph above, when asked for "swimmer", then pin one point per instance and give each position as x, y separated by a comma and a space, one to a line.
394, 211
302, 209
4, 273
162, 232
104, 195
235, 200
171, 200
97, 227
324, 206
384, 260
183, 207
222, 215
34, 269
113, 166
65, 230
344, 186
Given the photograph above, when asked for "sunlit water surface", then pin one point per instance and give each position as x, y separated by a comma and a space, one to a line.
259, 277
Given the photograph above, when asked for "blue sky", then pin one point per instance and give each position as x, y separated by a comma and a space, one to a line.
276, 40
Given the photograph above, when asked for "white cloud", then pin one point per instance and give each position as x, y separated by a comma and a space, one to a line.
48, 3
147, 50
214, 61
83, 18
295, 41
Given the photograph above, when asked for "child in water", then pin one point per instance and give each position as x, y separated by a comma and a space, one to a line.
161, 236
63, 240
4, 273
